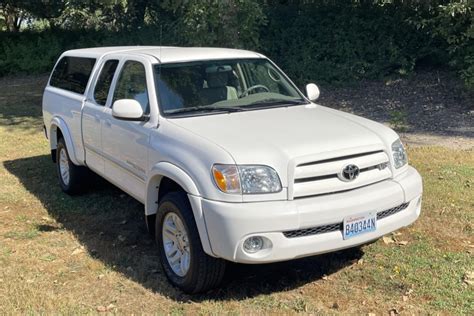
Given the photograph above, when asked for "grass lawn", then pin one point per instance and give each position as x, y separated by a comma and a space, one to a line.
92, 253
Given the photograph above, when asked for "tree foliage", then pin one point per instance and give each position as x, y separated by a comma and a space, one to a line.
323, 40
453, 22
218, 23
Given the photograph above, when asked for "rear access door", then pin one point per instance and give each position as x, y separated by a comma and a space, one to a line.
94, 113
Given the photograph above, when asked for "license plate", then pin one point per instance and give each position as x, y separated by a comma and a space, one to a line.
356, 225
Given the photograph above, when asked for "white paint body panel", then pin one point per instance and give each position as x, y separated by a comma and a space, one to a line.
65, 107
299, 142
229, 224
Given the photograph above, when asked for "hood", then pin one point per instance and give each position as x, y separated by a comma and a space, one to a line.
275, 136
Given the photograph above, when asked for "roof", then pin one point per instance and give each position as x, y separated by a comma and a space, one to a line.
167, 54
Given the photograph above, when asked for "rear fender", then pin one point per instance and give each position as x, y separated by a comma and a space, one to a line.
58, 123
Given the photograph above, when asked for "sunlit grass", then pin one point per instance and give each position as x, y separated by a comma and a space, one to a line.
62, 254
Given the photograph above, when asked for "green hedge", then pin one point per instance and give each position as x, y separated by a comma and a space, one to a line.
328, 41
340, 43
36, 52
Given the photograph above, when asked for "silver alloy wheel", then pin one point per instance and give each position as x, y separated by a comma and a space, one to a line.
176, 244
64, 166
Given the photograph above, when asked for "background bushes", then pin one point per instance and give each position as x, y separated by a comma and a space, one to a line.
340, 42
323, 41
34, 52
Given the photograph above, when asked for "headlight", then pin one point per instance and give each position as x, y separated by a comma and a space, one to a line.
259, 179
246, 179
399, 155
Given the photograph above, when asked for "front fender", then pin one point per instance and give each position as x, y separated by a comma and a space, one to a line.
178, 175
58, 123
166, 169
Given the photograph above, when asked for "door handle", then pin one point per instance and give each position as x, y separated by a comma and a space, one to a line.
97, 118
108, 123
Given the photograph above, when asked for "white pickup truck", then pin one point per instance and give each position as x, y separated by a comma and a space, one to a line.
230, 159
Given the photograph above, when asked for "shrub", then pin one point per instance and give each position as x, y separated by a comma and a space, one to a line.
323, 41
453, 23
342, 41
36, 52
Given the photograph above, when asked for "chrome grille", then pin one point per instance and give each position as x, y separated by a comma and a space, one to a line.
338, 226
318, 177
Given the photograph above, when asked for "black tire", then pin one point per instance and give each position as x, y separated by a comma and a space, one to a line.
77, 174
205, 272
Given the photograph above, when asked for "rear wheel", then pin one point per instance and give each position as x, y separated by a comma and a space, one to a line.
184, 261
71, 177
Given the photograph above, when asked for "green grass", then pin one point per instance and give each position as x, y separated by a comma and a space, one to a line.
19, 235
41, 229
399, 120
429, 272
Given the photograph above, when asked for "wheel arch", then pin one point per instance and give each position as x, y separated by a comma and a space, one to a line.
59, 128
170, 171
162, 173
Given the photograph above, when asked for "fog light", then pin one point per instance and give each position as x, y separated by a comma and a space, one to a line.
253, 244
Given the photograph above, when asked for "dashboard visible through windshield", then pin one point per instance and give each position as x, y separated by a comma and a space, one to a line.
202, 87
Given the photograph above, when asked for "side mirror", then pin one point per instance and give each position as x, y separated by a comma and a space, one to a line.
312, 91
127, 109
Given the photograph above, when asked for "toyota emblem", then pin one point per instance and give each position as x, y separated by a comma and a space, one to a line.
349, 173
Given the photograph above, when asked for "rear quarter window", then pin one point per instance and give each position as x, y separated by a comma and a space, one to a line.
72, 73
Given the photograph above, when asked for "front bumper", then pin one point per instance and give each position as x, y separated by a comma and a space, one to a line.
229, 224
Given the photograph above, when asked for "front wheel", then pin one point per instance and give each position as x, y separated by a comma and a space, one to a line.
184, 261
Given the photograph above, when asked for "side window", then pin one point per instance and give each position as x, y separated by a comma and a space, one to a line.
132, 84
102, 86
72, 74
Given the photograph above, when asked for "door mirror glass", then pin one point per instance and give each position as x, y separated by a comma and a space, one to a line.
127, 109
312, 91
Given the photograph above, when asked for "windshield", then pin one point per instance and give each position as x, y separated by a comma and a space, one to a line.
222, 86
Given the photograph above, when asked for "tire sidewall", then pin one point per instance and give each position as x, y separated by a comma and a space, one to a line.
174, 203
62, 146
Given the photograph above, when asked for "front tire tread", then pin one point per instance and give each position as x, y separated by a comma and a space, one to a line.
205, 272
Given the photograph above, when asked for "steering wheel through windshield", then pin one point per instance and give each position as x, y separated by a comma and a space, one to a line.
257, 86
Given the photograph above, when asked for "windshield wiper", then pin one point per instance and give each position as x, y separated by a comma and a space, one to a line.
267, 103
206, 108
276, 103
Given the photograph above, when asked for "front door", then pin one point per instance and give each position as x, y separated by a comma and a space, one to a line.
125, 143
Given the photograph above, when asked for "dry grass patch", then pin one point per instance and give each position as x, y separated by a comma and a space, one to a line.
91, 253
